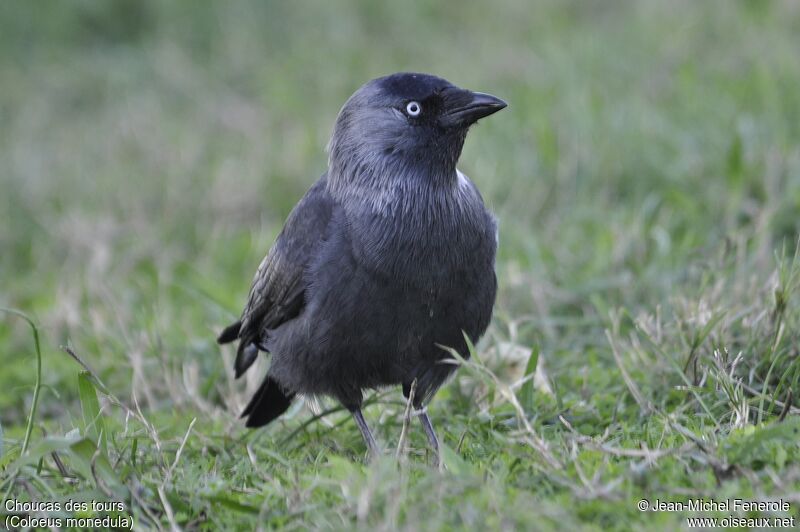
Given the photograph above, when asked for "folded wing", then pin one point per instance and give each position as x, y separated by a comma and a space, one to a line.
277, 294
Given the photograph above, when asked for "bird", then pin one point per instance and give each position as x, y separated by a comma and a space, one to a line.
384, 266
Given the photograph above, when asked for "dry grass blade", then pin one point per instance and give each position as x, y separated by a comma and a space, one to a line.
530, 436
168, 510
401, 444
168, 476
644, 405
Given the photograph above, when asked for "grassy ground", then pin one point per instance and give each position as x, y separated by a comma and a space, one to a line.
647, 179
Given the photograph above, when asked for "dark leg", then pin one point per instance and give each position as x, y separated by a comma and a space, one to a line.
424, 419
432, 439
365, 432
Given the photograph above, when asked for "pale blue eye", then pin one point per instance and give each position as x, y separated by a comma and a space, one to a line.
413, 109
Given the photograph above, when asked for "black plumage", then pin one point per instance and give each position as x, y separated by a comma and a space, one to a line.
387, 258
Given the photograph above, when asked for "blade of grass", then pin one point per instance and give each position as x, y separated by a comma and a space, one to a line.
37, 388
38, 385
526, 392
93, 424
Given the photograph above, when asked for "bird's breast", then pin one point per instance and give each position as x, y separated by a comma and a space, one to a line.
423, 245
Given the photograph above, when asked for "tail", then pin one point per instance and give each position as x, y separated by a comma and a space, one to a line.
269, 402
230, 333
247, 352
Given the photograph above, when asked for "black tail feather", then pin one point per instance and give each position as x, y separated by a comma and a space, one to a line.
245, 356
230, 333
269, 402
247, 352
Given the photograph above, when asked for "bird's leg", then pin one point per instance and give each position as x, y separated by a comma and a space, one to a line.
422, 411
429, 432
365, 432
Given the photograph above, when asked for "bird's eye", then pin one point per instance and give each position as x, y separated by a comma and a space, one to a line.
413, 109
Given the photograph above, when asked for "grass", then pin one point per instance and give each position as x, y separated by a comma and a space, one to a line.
647, 179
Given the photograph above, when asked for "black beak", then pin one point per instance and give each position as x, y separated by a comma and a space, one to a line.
467, 107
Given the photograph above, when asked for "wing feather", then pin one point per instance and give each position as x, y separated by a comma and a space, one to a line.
278, 290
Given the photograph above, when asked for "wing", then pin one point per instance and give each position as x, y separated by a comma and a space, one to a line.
278, 290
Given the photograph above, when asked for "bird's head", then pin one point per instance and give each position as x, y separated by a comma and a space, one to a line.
409, 124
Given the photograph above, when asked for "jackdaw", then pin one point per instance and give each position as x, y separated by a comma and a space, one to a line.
388, 258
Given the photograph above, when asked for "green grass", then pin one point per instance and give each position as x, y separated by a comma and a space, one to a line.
647, 179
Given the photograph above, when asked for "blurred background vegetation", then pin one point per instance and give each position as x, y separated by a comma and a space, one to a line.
645, 174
